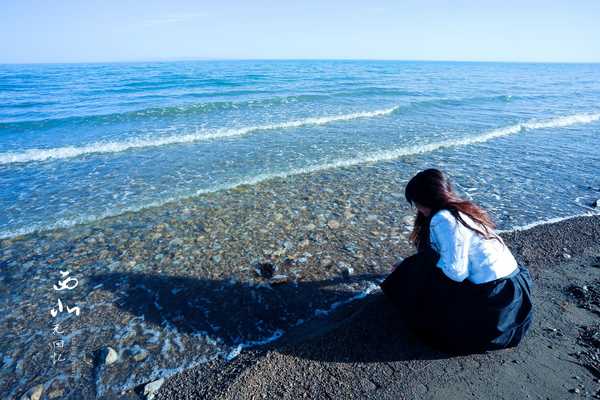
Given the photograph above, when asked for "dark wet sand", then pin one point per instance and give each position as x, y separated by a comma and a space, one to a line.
364, 351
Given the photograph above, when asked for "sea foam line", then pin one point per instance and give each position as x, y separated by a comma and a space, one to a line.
549, 221
378, 156
32, 155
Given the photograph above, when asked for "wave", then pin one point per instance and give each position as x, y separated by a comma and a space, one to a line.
32, 155
193, 108
168, 111
374, 157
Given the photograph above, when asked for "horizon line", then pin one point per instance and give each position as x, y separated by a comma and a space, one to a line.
182, 59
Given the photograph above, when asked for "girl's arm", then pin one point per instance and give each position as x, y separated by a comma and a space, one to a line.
453, 245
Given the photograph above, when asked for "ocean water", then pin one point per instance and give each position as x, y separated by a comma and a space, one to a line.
80, 142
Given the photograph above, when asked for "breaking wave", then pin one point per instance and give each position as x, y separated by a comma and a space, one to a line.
32, 155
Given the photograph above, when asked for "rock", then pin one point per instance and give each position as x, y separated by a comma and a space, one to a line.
310, 227
175, 242
108, 355
333, 224
279, 279
56, 393
151, 388
277, 253
141, 355
368, 386
288, 261
36, 392
216, 259
575, 390
265, 269
304, 243
326, 262
566, 256
351, 248
408, 220
345, 269
596, 204
422, 389
348, 213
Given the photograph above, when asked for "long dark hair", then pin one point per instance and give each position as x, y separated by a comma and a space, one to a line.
432, 189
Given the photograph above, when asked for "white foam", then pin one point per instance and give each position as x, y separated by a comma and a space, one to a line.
33, 155
548, 221
360, 295
252, 343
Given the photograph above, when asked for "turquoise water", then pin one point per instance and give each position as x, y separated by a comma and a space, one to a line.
79, 142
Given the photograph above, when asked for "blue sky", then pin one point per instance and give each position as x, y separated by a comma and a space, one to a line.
110, 30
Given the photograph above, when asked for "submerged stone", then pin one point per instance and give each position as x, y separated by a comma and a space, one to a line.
279, 279
333, 224
151, 388
108, 355
265, 269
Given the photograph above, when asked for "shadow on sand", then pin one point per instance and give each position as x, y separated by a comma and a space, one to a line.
364, 330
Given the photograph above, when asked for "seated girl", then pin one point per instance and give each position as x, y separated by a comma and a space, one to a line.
463, 291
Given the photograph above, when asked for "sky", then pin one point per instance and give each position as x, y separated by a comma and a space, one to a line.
460, 30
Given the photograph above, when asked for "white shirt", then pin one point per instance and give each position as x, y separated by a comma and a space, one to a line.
465, 254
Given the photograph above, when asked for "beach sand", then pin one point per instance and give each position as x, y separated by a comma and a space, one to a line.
364, 351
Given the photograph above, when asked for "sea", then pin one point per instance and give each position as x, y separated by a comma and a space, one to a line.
159, 187
80, 142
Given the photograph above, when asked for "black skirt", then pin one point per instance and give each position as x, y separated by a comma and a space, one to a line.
460, 316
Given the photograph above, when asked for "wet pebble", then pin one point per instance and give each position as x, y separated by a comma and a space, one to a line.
345, 269
408, 220
326, 262
175, 242
141, 355
35, 393
279, 279
265, 269
333, 224
351, 248
348, 213
304, 243
56, 393
108, 355
151, 388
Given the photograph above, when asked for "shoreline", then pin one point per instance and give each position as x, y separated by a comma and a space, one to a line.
361, 351
183, 286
